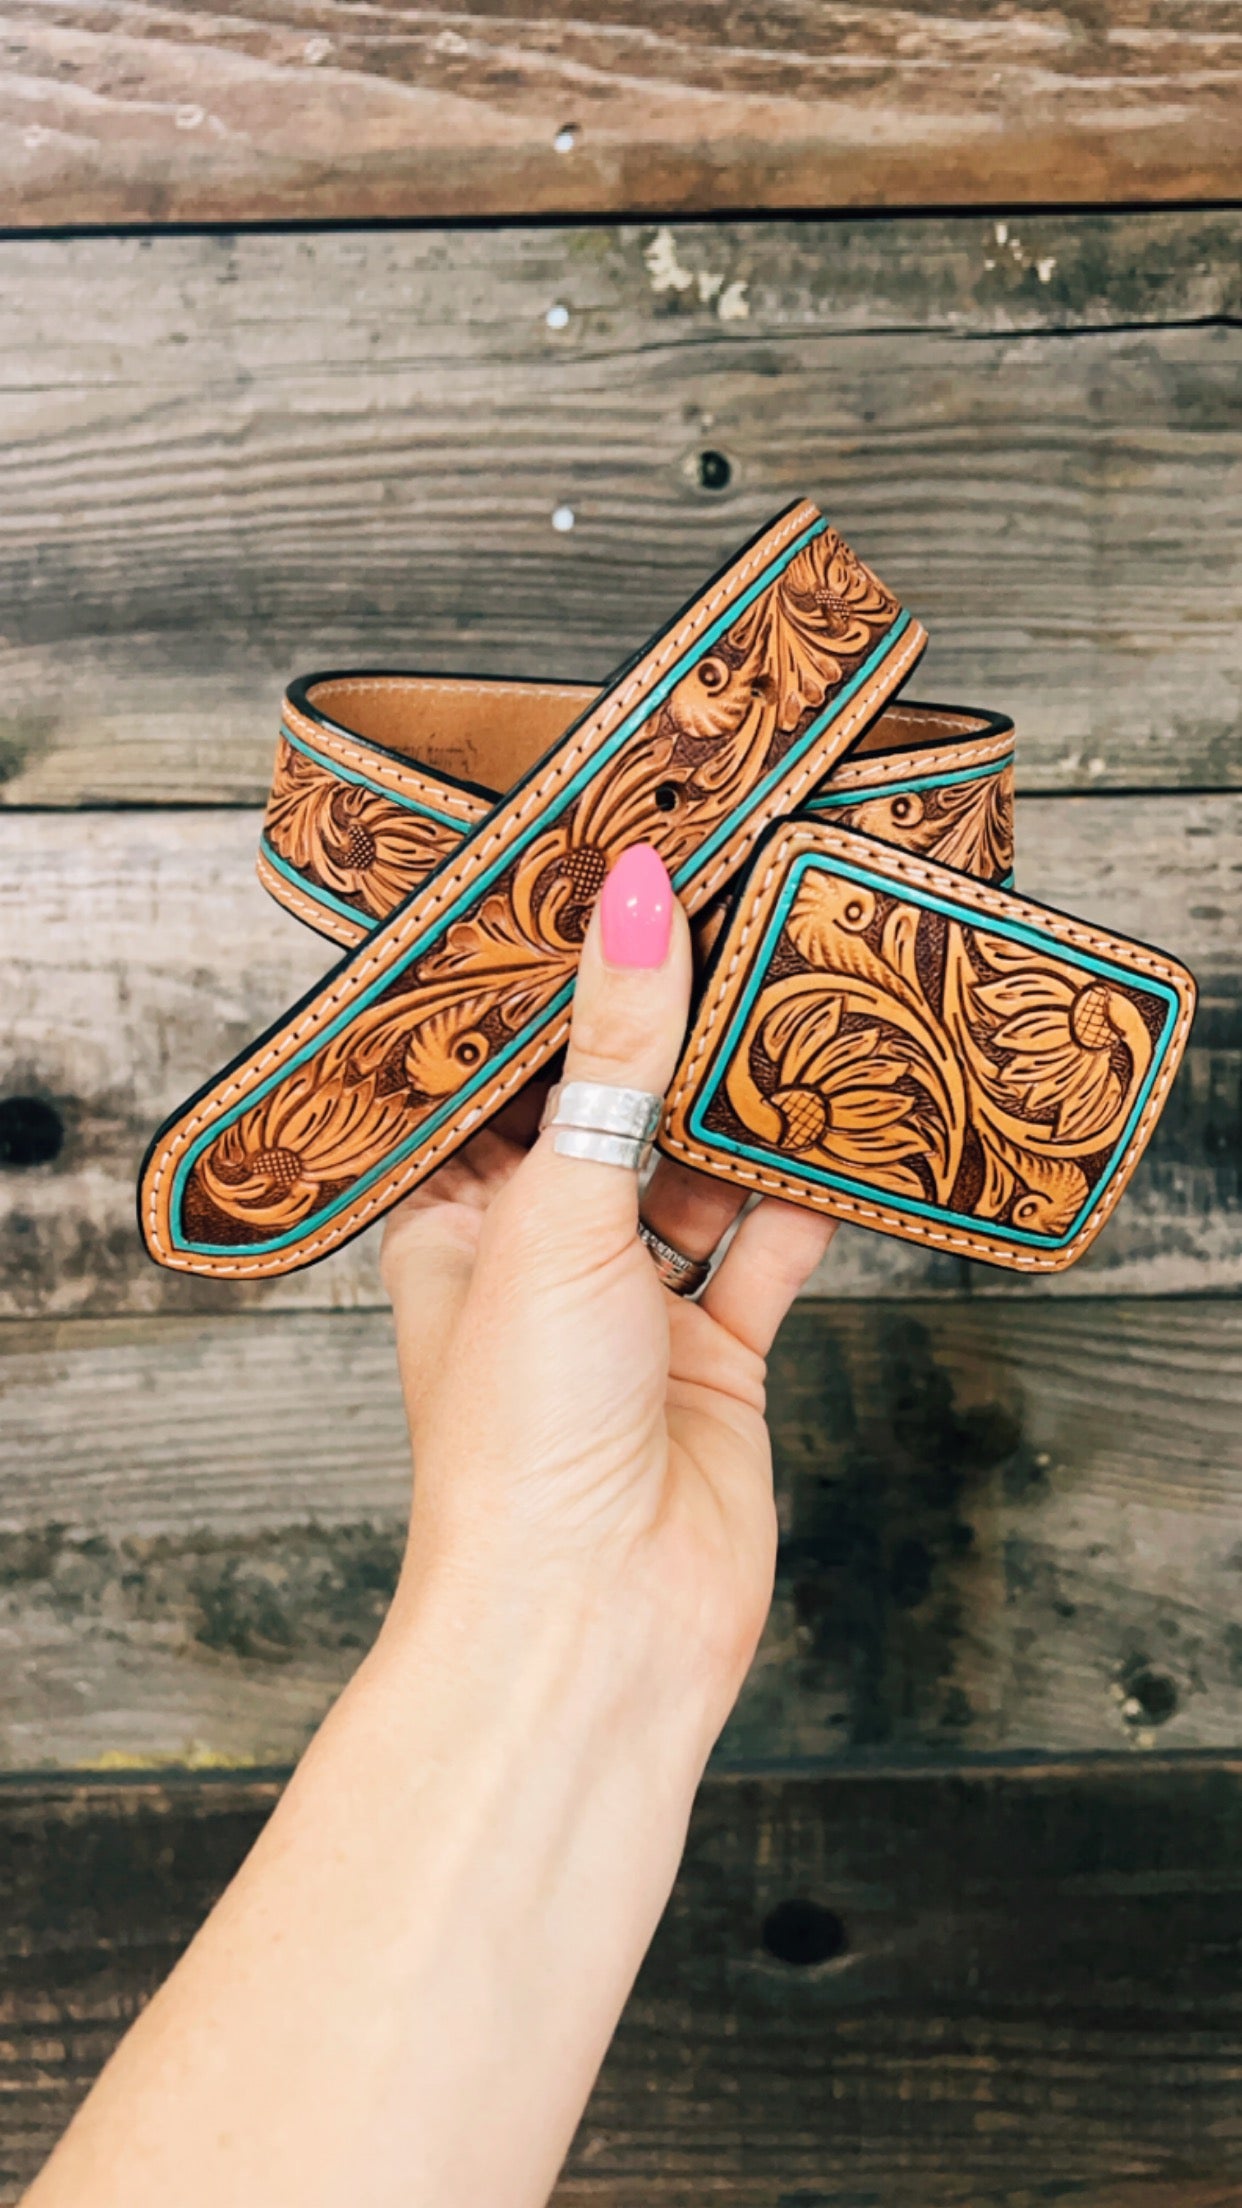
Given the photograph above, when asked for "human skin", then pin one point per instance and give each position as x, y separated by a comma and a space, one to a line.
406, 1992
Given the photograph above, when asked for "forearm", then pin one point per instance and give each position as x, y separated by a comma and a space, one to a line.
403, 1999
406, 1993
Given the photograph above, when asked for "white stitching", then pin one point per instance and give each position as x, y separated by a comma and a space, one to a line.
551, 1038
853, 773
846, 773
353, 751
968, 892
391, 940
482, 687
812, 768
994, 748
320, 917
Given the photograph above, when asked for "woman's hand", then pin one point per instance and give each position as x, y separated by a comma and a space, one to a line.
404, 1996
580, 1433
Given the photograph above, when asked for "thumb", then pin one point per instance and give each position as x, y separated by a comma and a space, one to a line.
629, 1021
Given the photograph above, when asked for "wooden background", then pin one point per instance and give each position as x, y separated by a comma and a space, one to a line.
285, 384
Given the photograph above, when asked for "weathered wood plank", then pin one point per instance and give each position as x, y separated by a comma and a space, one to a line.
1029, 1984
142, 955
210, 1561
1009, 1527
327, 110
1003, 1530
227, 459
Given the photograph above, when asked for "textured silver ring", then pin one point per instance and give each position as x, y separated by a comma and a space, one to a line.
684, 1275
610, 1126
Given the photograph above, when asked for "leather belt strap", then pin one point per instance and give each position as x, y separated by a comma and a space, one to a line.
352, 828
884, 1031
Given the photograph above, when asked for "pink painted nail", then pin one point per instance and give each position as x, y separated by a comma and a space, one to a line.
636, 909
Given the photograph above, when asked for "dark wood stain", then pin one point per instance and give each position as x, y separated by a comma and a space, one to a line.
1006, 1525
1005, 1988
266, 1599
879, 1565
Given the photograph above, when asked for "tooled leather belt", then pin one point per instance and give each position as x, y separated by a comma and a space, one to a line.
883, 1029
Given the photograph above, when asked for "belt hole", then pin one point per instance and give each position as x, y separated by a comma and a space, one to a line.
666, 796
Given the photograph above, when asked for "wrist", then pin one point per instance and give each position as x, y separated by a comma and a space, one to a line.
562, 1655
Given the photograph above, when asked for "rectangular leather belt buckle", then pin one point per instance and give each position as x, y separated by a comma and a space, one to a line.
898, 1044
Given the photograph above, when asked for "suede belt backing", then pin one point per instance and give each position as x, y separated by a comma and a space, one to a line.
883, 1029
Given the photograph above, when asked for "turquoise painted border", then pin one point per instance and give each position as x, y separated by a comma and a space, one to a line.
477, 889
317, 895
364, 782
1019, 932
833, 800
821, 804
865, 792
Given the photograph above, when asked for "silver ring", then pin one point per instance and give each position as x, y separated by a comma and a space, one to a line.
611, 1126
683, 1275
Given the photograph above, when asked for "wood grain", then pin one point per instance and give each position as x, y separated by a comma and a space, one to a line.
315, 108
142, 955
227, 459
1003, 1529
1036, 1994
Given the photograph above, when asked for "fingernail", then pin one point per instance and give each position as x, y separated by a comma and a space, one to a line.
636, 909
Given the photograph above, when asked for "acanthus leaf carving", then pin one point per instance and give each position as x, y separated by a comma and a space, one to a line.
502, 962
932, 1057
967, 824
340, 836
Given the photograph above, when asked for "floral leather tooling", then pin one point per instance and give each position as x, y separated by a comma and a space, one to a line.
883, 1029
